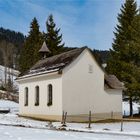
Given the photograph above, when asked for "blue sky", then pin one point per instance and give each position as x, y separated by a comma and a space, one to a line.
83, 22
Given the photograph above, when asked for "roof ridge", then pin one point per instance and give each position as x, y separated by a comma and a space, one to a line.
61, 54
66, 52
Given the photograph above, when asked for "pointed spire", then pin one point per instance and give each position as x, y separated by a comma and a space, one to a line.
44, 50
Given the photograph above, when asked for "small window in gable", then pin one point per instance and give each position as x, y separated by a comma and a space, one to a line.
90, 68
26, 97
37, 96
50, 95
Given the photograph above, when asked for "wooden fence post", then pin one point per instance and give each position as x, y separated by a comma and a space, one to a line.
62, 118
89, 124
65, 117
122, 124
111, 114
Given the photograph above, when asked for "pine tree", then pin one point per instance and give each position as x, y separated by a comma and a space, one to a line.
29, 55
123, 60
135, 55
97, 55
53, 38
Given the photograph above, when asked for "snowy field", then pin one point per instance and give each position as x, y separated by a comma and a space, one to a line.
19, 133
13, 127
5, 104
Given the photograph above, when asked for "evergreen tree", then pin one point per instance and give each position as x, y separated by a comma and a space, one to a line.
53, 39
17, 39
124, 53
135, 55
29, 55
97, 56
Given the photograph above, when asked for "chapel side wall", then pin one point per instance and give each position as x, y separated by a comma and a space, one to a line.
84, 91
42, 109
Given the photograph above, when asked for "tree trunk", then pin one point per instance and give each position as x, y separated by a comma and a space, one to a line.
131, 106
5, 75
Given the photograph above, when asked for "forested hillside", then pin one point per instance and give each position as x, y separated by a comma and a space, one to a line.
14, 42
102, 56
17, 39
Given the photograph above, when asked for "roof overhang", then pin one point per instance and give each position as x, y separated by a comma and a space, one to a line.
37, 75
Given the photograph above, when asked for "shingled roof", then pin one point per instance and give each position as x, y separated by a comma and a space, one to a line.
55, 63
60, 61
111, 81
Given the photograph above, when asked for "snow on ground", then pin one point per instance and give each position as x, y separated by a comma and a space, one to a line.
128, 127
126, 108
19, 133
107, 131
11, 119
6, 104
40, 129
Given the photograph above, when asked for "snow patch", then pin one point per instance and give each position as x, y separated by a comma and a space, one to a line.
126, 109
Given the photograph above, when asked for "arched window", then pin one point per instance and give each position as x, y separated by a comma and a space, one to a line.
26, 97
50, 95
37, 96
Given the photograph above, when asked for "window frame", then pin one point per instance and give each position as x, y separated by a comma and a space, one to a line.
37, 96
50, 95
26, 96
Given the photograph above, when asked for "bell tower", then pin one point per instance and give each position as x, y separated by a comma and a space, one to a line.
44, 50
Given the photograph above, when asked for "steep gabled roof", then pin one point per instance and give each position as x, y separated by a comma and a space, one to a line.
57, 62
60, 61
